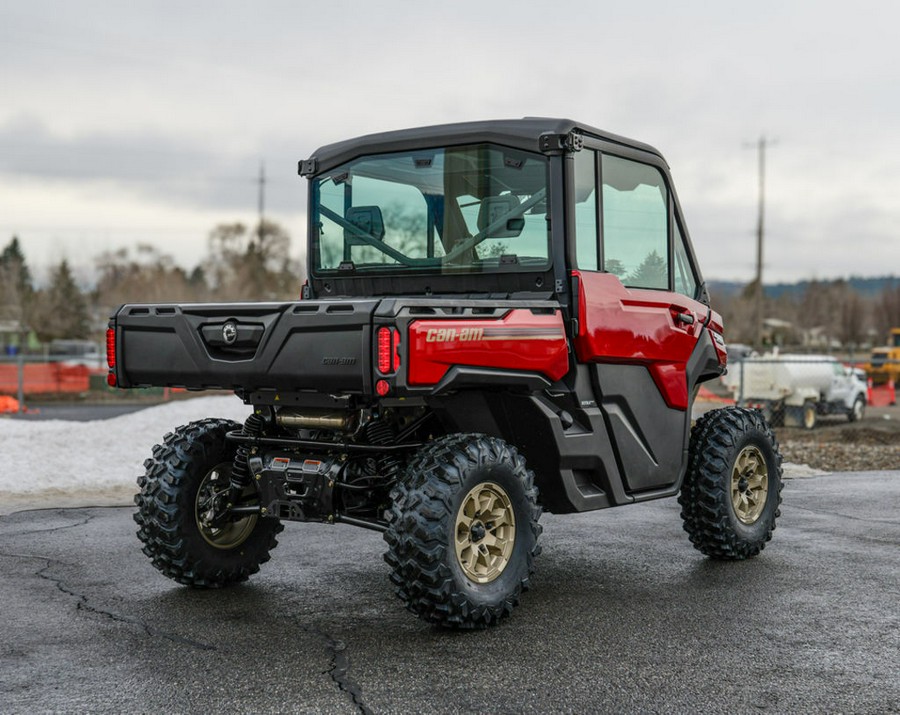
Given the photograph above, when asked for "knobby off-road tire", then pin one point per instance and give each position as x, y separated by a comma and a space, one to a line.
732, 490
194, 456
463, 531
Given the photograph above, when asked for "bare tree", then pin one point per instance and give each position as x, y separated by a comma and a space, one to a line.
886, 311
245, 265
852, 322
147, 275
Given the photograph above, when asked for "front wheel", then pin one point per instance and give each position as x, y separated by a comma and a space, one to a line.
463, 531
858, 411
177, 505
732, 490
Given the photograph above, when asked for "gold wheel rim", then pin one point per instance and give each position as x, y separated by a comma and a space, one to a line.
485, 532
232, 534
749, 485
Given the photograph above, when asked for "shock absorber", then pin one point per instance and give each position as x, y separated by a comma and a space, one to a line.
379, 432
240, 470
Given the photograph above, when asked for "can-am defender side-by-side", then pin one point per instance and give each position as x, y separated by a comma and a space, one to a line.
501, 318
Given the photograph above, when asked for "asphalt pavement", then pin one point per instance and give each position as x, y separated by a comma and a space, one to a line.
624, 616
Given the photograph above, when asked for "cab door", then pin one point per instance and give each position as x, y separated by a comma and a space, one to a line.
842, 385
639, 319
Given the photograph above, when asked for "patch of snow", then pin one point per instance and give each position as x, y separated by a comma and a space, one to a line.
56, 458
60, 462
801, 471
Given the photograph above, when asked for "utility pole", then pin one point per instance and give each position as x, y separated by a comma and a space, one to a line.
761, 151
262, 199
760, 147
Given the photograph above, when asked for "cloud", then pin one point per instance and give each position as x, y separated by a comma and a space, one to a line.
166, 169
122, 99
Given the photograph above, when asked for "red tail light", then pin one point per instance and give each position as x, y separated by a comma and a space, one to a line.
385, 363
111, 347
395, 348
111, 356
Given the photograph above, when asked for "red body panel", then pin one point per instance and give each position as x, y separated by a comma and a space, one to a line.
717, 330
520, 340
631, 325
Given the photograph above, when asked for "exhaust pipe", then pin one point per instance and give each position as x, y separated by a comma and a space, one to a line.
313, 419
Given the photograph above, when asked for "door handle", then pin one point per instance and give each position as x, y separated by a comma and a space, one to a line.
685, 318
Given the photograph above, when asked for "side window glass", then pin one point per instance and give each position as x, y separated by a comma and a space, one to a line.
635, 223
685, 282
586, 210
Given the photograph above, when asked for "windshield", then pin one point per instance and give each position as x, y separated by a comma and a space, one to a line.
467, 209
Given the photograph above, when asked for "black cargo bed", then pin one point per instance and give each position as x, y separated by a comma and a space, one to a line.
308, 345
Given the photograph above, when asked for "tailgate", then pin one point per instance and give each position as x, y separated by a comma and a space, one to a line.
309, 345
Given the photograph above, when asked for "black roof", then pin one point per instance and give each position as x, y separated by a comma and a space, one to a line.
521, 133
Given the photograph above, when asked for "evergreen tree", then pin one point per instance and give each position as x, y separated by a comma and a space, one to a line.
652, 273
63, 311
615, 266
16, 291
12, 260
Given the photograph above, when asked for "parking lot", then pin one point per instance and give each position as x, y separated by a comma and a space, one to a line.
624, 616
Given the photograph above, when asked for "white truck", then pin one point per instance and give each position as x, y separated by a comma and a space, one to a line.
794, 390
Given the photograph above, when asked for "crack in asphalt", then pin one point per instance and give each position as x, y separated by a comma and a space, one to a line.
339, 672
823, 512
82, 507
85, 605
340, 669
87, 519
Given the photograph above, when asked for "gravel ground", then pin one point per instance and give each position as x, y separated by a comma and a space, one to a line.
866, 446
836, 445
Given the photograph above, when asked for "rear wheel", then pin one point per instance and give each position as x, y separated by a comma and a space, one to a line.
732, 490
805, 416
181, 495
809, 415
463, 531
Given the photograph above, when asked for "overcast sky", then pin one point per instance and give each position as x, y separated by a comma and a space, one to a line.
147, 121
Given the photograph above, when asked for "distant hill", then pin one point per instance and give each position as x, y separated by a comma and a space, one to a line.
866, 287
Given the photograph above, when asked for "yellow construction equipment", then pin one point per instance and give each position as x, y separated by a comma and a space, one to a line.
884, 365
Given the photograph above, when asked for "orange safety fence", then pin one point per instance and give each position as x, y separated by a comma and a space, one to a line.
44, 377
8, 404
